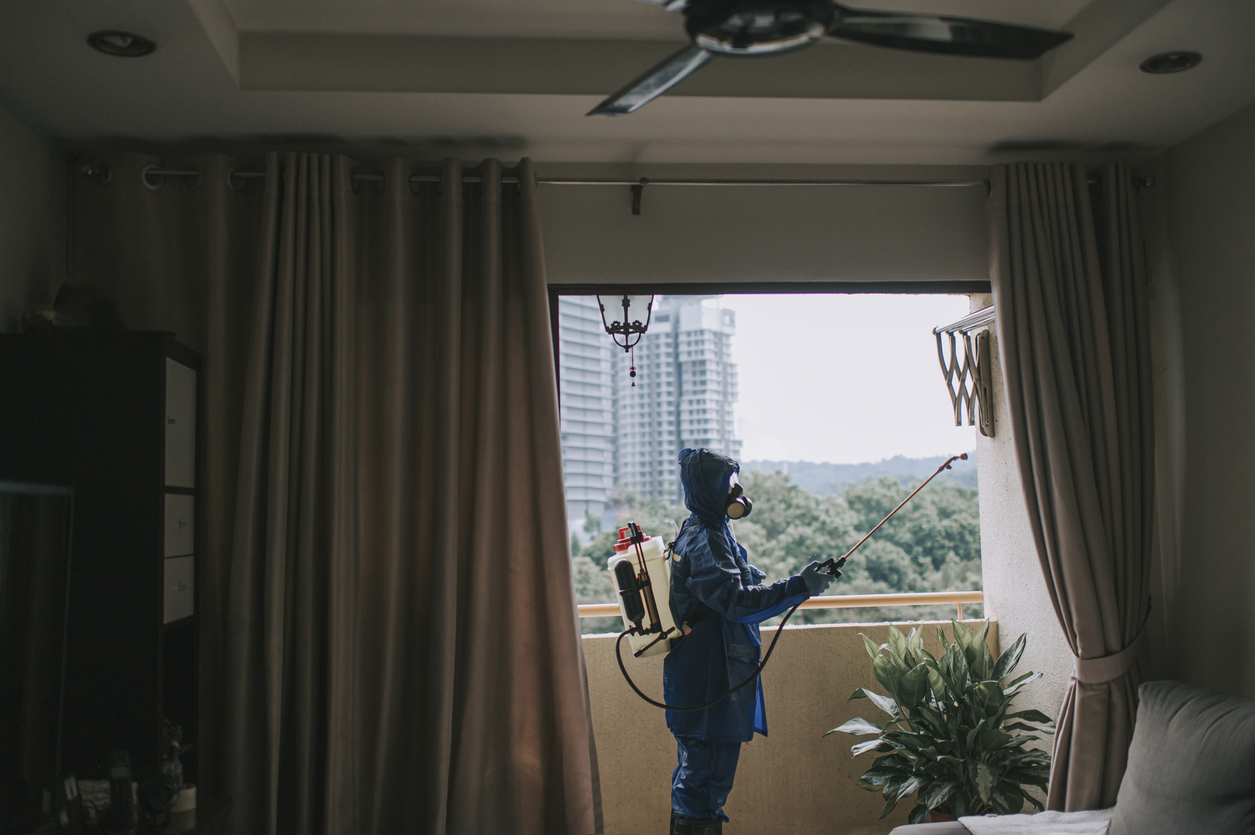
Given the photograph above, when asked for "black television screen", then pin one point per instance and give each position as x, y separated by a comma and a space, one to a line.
35, 525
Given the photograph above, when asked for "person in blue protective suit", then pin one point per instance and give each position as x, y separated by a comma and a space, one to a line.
718, 599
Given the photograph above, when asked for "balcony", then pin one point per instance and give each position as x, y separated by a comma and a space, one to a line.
793, 781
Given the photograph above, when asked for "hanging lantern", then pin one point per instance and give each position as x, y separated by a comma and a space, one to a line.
627, 320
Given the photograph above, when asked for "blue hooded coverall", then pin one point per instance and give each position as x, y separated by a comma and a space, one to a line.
716, 592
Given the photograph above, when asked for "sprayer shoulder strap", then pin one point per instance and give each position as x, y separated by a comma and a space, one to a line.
700, 610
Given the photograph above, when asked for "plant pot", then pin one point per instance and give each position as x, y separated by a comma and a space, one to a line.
938, 817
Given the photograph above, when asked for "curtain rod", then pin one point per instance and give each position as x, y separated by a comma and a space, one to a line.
152, 176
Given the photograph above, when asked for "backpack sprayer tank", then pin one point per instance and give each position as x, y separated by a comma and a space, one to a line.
642, 575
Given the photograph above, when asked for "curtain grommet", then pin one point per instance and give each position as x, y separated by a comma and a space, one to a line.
151, 185
234, 184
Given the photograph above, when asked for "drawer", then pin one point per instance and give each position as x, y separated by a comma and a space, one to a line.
180, 525
179, 584
180, 425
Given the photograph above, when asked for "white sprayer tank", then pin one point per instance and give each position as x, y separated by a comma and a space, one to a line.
649, 560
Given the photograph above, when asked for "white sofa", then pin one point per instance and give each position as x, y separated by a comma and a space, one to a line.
1191, 767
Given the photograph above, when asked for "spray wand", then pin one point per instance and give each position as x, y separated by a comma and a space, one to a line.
833, 565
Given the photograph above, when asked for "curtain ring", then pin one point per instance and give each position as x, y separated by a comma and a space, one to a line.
153, 176
413, 184
143, 175
231, 181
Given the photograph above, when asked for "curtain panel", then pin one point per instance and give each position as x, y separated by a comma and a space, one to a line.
1072, 320
389, 638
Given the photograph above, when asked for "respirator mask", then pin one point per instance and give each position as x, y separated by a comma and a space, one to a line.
739, 504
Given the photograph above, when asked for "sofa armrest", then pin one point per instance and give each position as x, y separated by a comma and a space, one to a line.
942, 828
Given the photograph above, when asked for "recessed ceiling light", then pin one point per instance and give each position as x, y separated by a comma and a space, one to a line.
122, 44
1171, 62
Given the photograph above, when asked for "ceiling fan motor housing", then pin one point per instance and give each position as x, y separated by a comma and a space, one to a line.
756, 27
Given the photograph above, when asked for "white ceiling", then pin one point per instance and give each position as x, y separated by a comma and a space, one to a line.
610, 19
514, 77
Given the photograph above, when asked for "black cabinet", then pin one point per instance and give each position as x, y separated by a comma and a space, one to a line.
114, 417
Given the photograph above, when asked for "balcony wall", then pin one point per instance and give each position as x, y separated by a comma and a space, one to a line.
792, 781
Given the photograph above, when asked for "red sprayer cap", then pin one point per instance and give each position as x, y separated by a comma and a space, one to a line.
624, 542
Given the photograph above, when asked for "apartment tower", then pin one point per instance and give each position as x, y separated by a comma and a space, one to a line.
685, 395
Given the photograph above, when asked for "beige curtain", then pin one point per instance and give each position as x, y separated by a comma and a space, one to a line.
396, 645
1072, 321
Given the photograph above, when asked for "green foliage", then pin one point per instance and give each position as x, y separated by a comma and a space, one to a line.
932, 544
950, 737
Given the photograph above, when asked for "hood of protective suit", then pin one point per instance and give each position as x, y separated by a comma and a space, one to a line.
704, 475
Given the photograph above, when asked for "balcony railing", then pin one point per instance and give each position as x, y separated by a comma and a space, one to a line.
840, 601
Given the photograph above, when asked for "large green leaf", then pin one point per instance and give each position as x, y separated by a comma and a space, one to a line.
960, 673
913, 687
1031, 716
868, 745
992, 739
982, 659
918, 814
938, 793
962, 636
897, 644
885, 703
915, 645
1009, 659
911, 742
973, 733
1006, 801
982, 778
879, 775
989, 696
910, 787
887, 672
872, 649
1019, 684
933, 722
856, 726
936, 682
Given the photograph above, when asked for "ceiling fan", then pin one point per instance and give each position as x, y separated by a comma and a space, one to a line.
766, 27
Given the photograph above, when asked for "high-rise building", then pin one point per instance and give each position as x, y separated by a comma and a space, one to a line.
585, 368
685, 395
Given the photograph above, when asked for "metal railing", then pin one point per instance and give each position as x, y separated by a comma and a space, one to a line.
840, 601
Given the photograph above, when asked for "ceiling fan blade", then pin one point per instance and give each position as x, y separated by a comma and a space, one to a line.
654, 83
942, 33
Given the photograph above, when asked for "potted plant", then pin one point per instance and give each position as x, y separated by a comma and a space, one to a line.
950, 738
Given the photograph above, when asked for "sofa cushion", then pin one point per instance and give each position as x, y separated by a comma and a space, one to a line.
1191, 764
942, 828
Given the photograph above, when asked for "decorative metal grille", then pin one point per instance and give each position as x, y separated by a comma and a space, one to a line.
969, 378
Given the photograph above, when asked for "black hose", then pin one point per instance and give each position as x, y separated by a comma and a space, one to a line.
619, 657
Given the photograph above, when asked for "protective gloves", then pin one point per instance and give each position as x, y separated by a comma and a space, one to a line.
817, 580
758, 574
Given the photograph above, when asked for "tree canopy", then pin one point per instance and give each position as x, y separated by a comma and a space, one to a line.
932, 544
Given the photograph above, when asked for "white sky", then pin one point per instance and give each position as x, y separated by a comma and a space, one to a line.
844, 378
